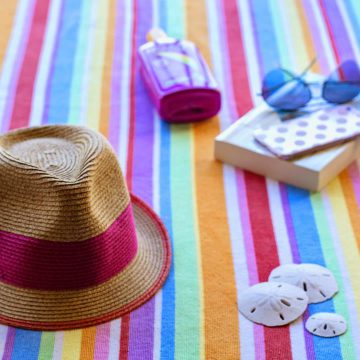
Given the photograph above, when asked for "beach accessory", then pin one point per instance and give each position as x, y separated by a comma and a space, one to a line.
178, 79
273, 304
283, 90
307, 134
76, 249
317, 281
326, 324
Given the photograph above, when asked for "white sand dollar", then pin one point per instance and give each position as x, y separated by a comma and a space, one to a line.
273, 304
326, 324
317, 281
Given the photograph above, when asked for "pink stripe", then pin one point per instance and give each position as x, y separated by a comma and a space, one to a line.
258, 330
50, 265
102, 340
259, 339
10, 338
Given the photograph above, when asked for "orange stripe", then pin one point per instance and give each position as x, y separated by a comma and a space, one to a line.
220, 310
107, 72
7, 12
88, 343
307, 37
351, 203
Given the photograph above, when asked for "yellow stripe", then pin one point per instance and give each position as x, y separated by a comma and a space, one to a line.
72, 345
107, 72
7, 12
307, 36
96, 66
298, 37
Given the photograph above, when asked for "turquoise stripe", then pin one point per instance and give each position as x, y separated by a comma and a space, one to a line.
26, 345
76, 86
57, 104
310, 251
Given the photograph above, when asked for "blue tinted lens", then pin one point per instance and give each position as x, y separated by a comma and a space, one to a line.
281, 90
343, 84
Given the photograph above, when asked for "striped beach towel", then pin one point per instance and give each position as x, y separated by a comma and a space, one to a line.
75, 62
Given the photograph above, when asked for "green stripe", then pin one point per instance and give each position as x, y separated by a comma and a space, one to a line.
187, 298
330, 257
47, 346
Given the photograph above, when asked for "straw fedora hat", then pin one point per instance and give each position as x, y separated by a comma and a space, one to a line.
76, 249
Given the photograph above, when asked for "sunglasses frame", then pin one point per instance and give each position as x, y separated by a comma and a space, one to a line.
299, 79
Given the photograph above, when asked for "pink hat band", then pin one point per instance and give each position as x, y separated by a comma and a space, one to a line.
51, 265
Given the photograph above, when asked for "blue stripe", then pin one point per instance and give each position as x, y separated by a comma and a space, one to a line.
310, 251
168, 305
26, 345
167, 350
57, 104
265, 35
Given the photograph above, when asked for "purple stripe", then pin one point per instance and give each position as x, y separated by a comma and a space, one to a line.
117, 68
10, 338
141, 336
17, 67
338, 33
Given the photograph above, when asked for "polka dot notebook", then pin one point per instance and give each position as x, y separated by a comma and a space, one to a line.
311, 133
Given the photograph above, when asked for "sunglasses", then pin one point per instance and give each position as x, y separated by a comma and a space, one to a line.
283, 90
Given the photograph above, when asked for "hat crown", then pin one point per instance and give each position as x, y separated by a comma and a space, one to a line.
64, 207
58, 157
68, 174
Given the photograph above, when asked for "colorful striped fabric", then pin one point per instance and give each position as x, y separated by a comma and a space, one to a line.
75, 62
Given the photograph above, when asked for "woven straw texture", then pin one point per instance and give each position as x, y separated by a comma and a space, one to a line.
74, 62
63, 186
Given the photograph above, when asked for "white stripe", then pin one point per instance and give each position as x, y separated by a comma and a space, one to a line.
58, 345
125, 87
297, 336
349, 30
42, 75
157, 325
278, 221
114, 342
3, 334
248, 33
16, 38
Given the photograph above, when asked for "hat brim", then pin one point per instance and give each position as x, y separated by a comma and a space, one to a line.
132, 287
